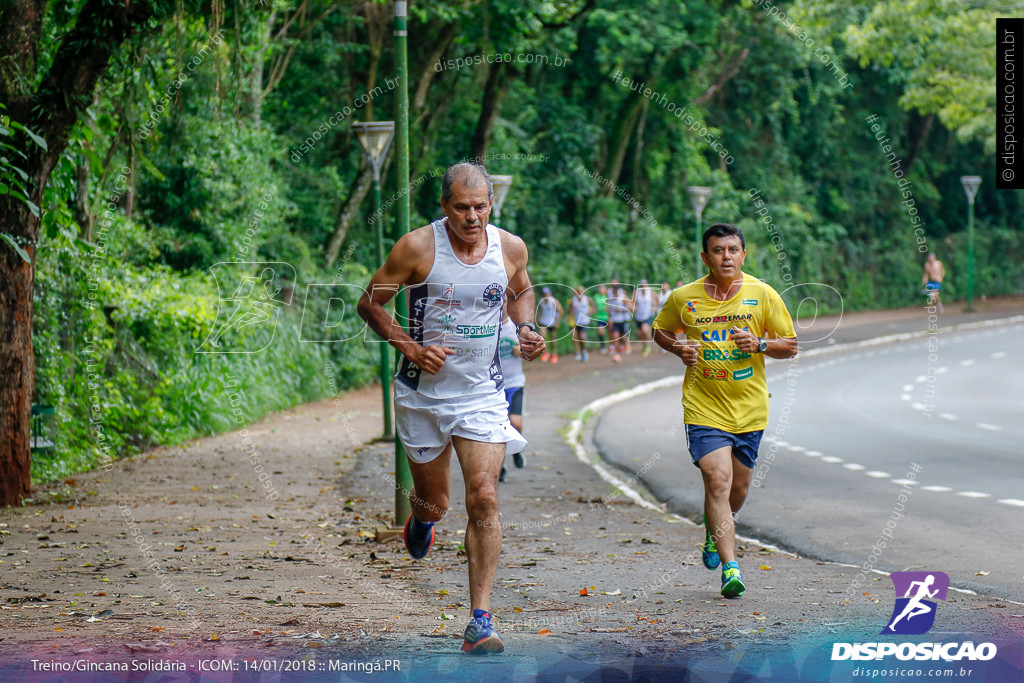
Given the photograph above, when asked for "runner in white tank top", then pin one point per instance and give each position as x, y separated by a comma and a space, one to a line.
549, 312
582, 307
459, 272
643, 313
515, 382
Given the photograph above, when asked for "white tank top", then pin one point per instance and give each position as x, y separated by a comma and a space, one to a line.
458, 306
644, 305
548, 313
617, 307
581, 310
511, 364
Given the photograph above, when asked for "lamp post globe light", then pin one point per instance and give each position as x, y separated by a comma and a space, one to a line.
500, 184
699, 199
375, 139
971, 183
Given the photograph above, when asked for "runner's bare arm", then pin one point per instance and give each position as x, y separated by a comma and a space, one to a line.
403, 266
520, 294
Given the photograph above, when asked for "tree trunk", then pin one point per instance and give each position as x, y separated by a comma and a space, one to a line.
493, 93
17, 361
621, 134
50, 112
348, 212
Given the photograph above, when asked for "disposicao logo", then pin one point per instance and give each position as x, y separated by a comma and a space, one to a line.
914, 614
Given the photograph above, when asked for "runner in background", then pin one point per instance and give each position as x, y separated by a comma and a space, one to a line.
510, 355
550, 312
643, 313
581, 307
620, 310
601, 317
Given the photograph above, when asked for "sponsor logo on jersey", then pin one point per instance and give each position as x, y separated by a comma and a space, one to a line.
447, 323
750, 302
493, 295
476, 331
691, 307
722, 354
447, 297
723, 319
745, 373
719, 335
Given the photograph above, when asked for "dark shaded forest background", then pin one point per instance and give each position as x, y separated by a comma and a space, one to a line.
155, 188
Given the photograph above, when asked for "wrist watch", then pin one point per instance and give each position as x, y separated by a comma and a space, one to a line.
520, 326
762, 345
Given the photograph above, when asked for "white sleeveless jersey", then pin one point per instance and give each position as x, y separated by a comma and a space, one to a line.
618, 310
511, 364
548, 313
458, 306
644, 305
581, 310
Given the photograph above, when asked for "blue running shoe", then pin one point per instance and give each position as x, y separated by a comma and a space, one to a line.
419, 537
519, 460
480, 637
732, 581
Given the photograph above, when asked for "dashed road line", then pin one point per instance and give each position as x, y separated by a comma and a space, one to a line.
987, 426
973, 494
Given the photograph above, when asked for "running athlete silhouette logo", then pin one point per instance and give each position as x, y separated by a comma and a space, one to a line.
913, 614
254, 302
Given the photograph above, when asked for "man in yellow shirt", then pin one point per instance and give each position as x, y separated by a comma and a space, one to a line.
731, 321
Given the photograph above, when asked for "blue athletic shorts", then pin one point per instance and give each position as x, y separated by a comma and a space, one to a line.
515, 397
702, 440
934, 285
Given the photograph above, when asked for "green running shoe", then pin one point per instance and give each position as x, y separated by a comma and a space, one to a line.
709, 553
732, 581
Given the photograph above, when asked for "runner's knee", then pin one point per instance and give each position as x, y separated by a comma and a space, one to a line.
481, 498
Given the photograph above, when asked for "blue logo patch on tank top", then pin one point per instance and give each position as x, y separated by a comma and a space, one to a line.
493, 295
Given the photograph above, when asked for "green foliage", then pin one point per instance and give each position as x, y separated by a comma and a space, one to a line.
156, 189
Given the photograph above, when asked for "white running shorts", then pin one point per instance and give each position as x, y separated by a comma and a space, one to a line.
426, 425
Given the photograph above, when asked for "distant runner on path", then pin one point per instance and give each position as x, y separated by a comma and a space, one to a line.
449, 390
510, 354
731, 321
934, 274
581, 307
550, 313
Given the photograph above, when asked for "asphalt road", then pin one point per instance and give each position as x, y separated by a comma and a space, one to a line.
937, 420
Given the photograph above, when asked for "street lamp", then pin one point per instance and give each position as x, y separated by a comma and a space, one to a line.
971, 184
500, 184
375, 138
699, 198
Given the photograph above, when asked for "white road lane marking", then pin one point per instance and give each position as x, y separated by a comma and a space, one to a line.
936, 489
878, 474
973, 494
997, 354
967, 363
991, 428
1012, 501
948, 416
854, 466
831, 459
813, 454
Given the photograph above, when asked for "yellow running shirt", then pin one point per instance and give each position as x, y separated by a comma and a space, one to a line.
727, 388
